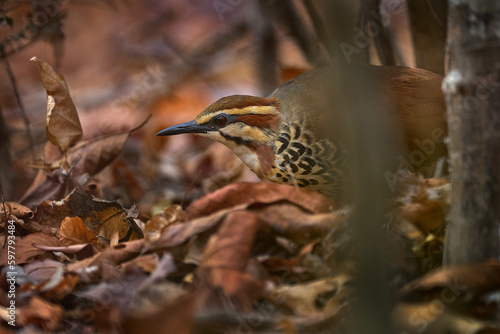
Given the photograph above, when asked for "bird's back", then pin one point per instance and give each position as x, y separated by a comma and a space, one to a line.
417, 109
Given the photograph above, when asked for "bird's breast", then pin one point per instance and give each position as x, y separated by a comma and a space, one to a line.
303, 161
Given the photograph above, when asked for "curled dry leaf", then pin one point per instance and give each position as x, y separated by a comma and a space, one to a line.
252, 193
63, 124
15, 209
41, 271
112, 256
425, 202
74, 231
58, 286
25, 249
102, 217
177, 234
146, 263
326, 295
53, 186
427, 215
81, 251
169, 215
92, 156
175, 315
297, 224
455, 283
41, 312
433, 317
223, 268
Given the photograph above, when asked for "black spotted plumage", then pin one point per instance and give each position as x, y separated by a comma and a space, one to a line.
310, 164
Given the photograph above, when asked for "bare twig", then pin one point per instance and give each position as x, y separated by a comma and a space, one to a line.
382, 41
265, 41
318, 24
5, 163
287, 13
12, 79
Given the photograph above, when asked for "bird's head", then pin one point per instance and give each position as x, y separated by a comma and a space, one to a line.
248, 125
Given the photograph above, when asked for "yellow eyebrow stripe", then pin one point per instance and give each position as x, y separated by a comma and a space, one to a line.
256, 110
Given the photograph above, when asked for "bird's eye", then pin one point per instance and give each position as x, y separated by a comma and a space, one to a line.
220, 120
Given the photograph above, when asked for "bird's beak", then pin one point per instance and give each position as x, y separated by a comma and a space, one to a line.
188, 127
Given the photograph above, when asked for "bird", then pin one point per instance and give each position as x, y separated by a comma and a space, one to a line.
282, 137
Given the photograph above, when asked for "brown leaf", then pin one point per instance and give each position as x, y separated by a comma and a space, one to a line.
177, 234
112, 256
25, 249
41, 271
63, 124
176, 316
168, 216
312, 298
147, 263
425, 202
455, 283
433, 317
253, 193
92, 156
297, 224
223, 268
58, 287
426, 215
81, 251
74, 231
53, 186
40, 313
16, 209
102, 217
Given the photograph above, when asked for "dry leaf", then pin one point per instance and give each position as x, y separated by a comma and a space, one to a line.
155, 226
41, 271
455, 283
53, 186
74, 231
92, 156
102, 217
16, 209
427, 215
252, 193
41, 313
297, 224
63, 124
58, 286
433, 317
177, 234
81, 251
177, 316
223, 268
112, 256
25, 249
146, 263
327, 295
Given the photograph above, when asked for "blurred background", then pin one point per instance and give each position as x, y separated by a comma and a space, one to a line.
124, 60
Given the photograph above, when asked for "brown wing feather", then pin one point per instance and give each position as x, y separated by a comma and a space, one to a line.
414, 95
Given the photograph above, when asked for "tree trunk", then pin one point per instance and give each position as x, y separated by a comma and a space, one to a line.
472, 89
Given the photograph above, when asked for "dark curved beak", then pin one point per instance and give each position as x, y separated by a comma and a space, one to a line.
188, 127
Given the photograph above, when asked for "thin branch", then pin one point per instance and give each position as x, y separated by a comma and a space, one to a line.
12, 79
318, 24
289, 17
